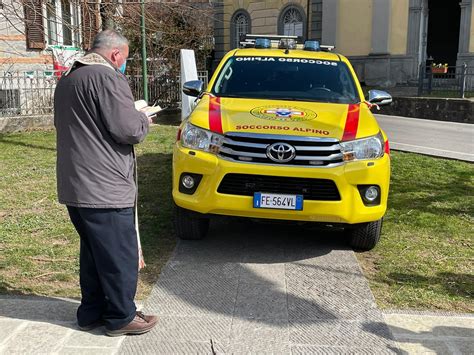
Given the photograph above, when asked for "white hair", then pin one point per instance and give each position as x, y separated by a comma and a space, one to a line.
109, 39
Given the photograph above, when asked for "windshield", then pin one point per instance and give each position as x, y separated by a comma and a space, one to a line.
281, 78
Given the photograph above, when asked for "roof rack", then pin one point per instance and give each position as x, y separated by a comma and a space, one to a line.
248, 41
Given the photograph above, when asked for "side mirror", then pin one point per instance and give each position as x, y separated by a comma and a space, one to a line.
193, 88
379, 97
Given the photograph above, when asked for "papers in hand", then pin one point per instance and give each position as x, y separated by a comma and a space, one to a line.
142, 106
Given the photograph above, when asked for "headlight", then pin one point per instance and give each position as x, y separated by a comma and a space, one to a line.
197, 138
365, 148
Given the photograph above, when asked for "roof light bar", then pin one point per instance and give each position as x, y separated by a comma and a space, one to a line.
312, 46
282, 42
263, 43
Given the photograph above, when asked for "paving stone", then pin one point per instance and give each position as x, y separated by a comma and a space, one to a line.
317, 254
35, 338
194, 289
264, 255
190, 329
359, 334
271, 274
328, 274
402, 325
341, 333
191, 304
267, 331
87, 351
255, 288
209, 251
411, 326
257, 348
177, 270
320, 333
39, 308
8, 326
448, 326
336, 350
165, 347
463, 346
261, 301
426, 347
93, 339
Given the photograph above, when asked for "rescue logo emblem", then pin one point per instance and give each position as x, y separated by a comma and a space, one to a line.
283, 113
281, 152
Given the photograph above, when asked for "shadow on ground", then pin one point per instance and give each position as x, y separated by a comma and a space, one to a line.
40, 309
438, 340
7, 139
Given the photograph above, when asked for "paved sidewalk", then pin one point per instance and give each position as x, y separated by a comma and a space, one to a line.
259, 288
432, 333
248, 288
42, 325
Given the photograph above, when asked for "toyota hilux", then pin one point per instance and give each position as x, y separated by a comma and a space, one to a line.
283, 132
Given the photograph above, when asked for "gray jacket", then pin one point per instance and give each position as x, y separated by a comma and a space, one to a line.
96, 125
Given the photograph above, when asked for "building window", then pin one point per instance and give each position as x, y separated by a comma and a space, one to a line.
317, 20
240, 26
292, 21
62, 23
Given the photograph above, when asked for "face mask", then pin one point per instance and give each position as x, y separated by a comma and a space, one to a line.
123, 67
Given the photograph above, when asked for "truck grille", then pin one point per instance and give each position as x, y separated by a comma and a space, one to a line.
308, 151
311, 189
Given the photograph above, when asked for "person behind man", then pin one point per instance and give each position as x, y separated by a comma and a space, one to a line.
97, 126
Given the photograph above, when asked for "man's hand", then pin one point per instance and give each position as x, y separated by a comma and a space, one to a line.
150, 120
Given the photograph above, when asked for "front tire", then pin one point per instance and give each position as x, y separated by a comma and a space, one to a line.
365, 236
189, 225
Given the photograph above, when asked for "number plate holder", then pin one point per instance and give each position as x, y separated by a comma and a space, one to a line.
278, 201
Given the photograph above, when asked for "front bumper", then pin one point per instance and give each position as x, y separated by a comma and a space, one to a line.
350, 209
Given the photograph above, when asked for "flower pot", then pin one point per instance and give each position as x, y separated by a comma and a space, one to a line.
442, 70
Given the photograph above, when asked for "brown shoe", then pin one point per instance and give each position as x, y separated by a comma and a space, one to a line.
139, 325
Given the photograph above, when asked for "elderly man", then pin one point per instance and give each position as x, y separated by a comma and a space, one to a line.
97, 126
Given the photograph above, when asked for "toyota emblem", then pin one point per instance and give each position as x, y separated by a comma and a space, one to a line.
281, 152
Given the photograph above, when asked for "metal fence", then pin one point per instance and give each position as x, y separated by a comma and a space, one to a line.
27, 93
449, 81
163, 89
32, 92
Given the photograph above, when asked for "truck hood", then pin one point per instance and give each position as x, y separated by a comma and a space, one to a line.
298, 118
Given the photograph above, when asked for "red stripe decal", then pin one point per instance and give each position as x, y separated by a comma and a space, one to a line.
215, 120
352, 122
387, 147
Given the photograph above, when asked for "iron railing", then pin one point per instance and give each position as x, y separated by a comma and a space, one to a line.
163, 89
450, 81
31, 93
27, 93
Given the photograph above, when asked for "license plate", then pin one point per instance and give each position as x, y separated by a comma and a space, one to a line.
278, 201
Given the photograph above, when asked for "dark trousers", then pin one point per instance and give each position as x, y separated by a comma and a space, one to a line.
108, 265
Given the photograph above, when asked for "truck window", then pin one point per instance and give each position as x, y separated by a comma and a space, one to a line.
282, 78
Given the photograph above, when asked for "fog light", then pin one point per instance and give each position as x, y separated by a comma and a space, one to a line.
187, 181
371, 193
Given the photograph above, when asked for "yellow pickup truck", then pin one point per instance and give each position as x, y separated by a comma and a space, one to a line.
282, 132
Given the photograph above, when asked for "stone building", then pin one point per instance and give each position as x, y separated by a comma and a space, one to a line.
386, 40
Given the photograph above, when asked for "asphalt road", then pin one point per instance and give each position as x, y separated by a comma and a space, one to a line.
437, 138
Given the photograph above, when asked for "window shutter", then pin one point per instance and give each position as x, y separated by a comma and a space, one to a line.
34, 24
90, 23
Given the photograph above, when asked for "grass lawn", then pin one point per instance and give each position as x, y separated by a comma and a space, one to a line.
39, 246
424, 260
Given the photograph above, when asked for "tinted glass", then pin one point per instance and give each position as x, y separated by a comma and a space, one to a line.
286, 79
